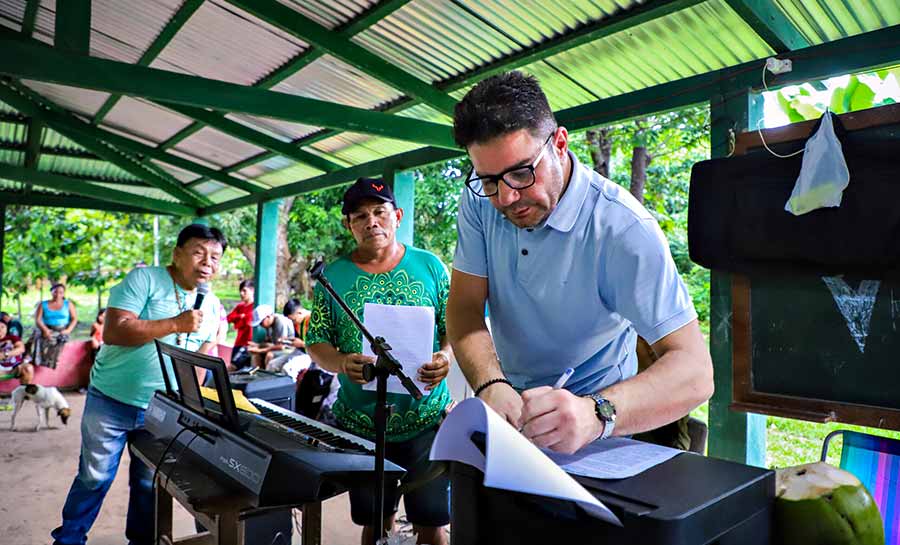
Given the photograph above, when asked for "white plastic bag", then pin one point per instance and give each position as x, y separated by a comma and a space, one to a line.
823, 174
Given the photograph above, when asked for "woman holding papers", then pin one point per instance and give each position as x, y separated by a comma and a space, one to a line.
383, 271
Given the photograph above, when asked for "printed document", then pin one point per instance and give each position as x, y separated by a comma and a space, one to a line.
410, 332
511, 461
614, 458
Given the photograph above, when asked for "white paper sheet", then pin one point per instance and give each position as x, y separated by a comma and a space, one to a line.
614, 458
410, 332
512, 462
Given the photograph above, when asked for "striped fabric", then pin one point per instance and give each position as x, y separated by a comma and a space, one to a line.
876, 462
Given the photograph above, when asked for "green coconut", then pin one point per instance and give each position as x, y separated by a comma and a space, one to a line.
819, 504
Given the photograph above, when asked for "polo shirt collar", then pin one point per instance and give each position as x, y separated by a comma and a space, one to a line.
565, 214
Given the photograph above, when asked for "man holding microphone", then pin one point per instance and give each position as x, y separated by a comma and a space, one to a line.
150, 303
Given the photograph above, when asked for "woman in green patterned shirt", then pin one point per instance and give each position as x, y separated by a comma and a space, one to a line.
382, 270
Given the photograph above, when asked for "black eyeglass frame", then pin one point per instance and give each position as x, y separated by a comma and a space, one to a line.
470, 181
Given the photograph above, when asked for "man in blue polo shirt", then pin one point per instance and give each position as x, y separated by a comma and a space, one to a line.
572, 269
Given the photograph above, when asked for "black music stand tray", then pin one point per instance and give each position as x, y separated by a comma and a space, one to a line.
221, 508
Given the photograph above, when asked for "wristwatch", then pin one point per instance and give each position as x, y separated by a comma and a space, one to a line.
606, 413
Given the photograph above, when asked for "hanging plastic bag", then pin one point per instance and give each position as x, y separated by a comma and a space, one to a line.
823, 174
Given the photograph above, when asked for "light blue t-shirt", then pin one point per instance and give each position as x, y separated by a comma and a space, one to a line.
576, 290
131, 374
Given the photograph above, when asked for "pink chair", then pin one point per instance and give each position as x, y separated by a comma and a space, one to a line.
73, 369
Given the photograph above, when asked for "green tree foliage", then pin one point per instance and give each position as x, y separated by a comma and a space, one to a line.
840, 95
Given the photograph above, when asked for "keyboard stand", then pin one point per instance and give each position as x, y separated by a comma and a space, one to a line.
215, 504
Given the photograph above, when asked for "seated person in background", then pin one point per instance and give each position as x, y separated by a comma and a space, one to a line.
11, 350
54, 321
13, 326
241, 316
279, 329
97, 330
294, 310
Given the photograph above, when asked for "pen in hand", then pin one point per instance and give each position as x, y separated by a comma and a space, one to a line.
563, 378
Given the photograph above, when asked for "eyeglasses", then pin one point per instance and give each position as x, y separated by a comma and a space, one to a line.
517, 178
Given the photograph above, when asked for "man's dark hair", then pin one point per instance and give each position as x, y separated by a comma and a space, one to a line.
198, 230
292, 306
248, 283
500, 105
4, 315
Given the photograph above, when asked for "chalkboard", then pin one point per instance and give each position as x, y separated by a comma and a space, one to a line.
820, 348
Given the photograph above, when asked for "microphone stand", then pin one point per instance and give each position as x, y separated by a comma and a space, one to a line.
385, 365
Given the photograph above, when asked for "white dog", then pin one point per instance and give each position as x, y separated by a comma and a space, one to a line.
45, 398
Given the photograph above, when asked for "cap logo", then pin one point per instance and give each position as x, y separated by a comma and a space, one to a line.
377, 187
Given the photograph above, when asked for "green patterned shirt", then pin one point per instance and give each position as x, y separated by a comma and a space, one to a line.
420, 279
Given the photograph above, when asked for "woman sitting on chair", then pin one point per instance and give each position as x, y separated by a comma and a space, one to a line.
54, 321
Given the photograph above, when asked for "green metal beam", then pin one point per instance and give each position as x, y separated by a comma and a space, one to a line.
35, 198
159, 43
33, 143
93, 139
30, 17
401, 161
30, 60
306, 29
85, 189
303, 59
770, 23
243, 132
72, 32
604, 27
858, 53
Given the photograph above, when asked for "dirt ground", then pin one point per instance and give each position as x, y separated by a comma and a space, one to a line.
37, 468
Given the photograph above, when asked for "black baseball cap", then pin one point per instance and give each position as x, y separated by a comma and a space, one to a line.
366, 188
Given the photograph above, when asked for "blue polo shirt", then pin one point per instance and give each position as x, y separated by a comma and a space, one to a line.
576, 290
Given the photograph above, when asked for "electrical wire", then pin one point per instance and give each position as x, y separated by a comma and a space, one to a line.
180, 452
165, 451
763, 140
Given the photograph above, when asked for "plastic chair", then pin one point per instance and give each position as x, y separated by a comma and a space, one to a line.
875, 461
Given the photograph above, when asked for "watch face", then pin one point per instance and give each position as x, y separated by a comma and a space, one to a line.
606, 411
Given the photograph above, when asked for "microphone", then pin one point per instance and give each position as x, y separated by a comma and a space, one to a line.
317, 268
202, 290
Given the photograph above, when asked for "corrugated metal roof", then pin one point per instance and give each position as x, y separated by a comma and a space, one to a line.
13, 133
145, 119
82, 101
217, 147
282, 130
434, 40
331, 13
331, 79
700, 39
178, 173
76, 167
151, 192
827, 20
119, 30
225, 43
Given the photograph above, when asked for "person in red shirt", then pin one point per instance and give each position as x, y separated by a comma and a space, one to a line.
97, 330
241, 317
11, 350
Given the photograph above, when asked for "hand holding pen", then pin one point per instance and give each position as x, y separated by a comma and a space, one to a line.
555, 418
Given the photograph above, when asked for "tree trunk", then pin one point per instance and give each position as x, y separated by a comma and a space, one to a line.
249, 252
640, 160
286, 268
601, 148
19, 304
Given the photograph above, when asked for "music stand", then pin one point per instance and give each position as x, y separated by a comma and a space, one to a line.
183, 364
385, 365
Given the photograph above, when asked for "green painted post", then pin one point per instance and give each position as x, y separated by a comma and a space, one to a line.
266, 251
404, 186
733, 435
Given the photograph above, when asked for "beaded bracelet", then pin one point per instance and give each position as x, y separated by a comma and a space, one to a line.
490, 382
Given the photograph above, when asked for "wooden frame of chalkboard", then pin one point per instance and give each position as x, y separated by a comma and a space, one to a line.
752, 394
748, 397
